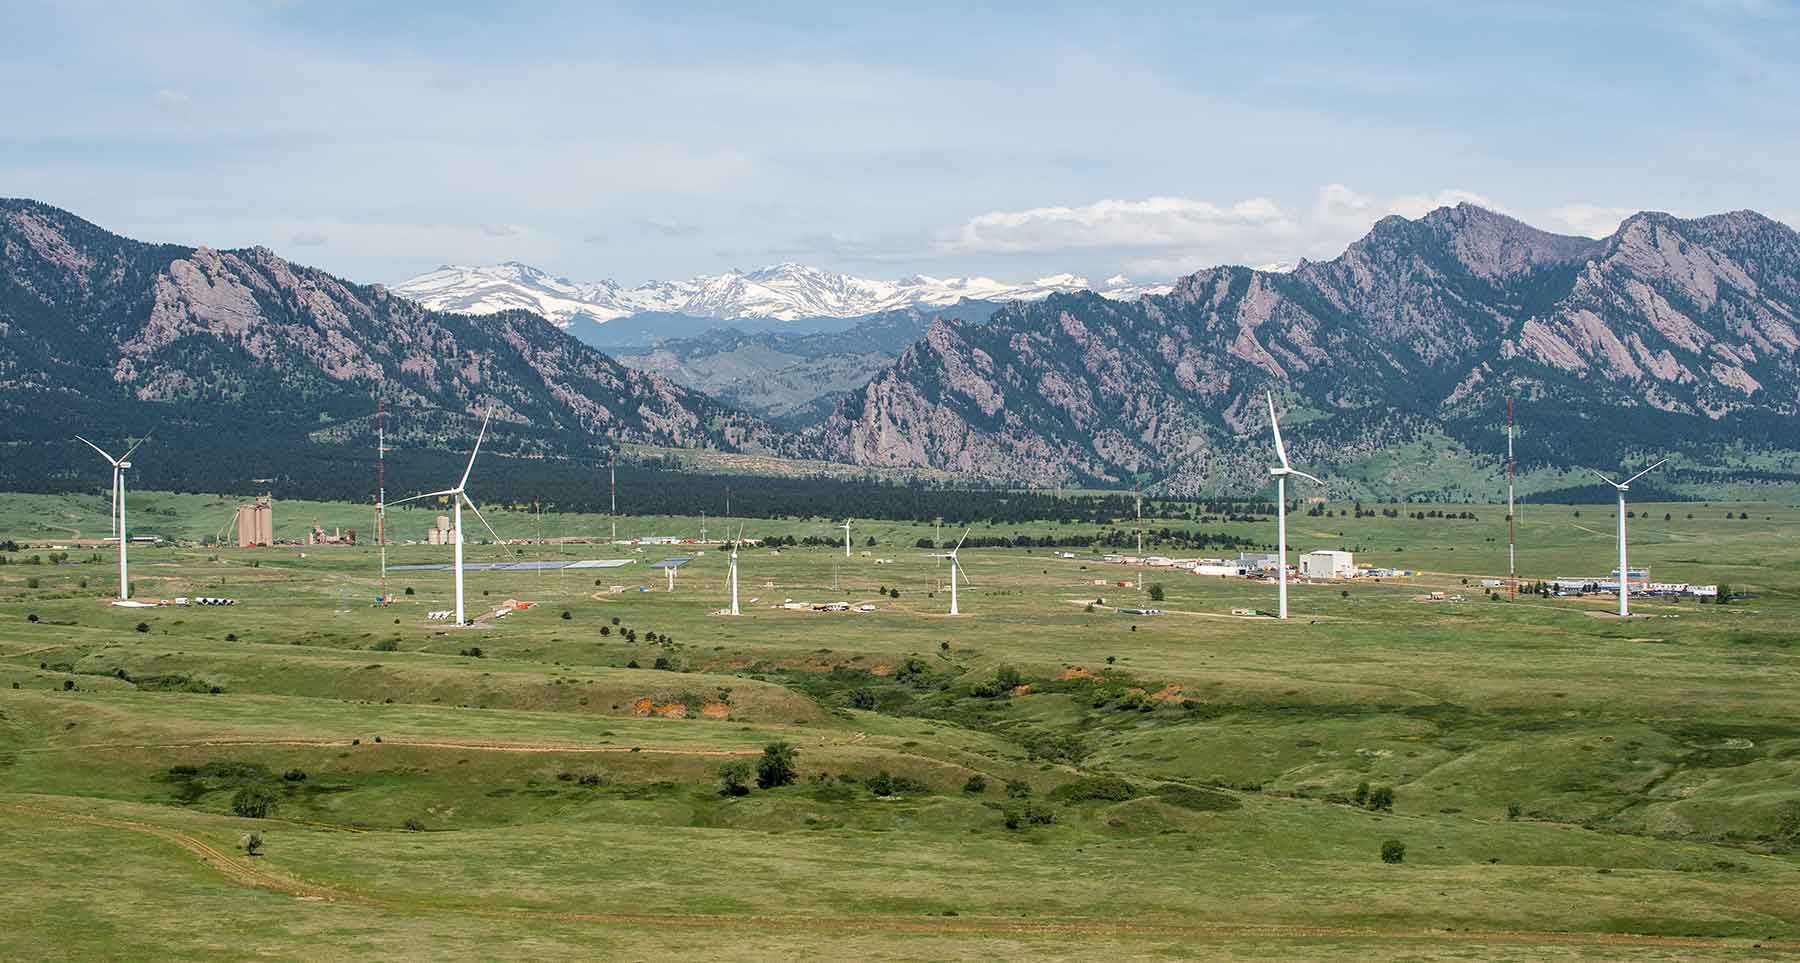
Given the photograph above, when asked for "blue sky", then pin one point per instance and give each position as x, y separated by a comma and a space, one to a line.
628, 141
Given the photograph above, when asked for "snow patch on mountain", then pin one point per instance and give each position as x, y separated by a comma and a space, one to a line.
781, 291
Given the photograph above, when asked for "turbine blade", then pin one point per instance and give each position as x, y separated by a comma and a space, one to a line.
475, 451
133, 448
1645, 472
960, 541
414, 498
1605, 479
484, 523
1296, 471
963, 572
103, 454
1280, 449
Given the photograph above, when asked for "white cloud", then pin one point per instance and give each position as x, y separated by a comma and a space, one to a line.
502, 230
1163, 236
1150, 223
171, 101
1590, 220
310, 239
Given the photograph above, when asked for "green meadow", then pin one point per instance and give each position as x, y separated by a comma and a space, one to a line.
1041, 777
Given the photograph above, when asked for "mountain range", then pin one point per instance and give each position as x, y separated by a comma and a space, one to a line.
243, 358
1670, 335
784, 292
1392, 364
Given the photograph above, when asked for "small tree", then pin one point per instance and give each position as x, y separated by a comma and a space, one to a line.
734, 778
253, 802
976, 785
776, 767
1156, 591
252, 843
1362, 793
1513, 810
1393, 851
1381, 799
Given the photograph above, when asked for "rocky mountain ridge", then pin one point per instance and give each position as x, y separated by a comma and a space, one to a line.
1666, 334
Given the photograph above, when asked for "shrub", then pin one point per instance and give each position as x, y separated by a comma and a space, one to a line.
231, 636
605, 630
1513, 810
254, 801
32, 617
294, 775
662, 662
386, 645
862, 699
1030, 814
143, 626
473, 651
1362, 793
32, 582
409, 590
1199, 800
252, 844
68, 685
1393, 851
880, 784
1381, 799
590, 779
976, 785
1109, 788
1156, 591
566, 616
1018, 789
615, 620
776, 767
1007, 676
414, 824
733, 777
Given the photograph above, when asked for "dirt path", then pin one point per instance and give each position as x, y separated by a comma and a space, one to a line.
242, 871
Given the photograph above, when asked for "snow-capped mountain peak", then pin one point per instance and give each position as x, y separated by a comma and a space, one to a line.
784, 291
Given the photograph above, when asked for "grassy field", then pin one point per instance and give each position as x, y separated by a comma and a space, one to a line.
1041, 777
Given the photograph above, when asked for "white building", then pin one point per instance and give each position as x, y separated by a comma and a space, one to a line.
1327, 563
1260, 561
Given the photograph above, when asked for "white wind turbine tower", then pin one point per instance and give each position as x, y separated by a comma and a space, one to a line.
955, 570
459, 496
734, 570
1281, 472
1624, 573
119, 465
846, 527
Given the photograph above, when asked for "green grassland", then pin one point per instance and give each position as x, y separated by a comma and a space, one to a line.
1183, 785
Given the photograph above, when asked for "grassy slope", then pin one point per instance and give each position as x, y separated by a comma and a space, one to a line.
1662, 751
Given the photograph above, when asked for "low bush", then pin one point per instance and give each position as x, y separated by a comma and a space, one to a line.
1087, 788
1393, 851
976, 785
1199, 800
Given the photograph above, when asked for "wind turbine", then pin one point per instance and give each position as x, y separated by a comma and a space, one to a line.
1624, 576
734, 570
955, 569
119, 465
1281, 473
458, 496
846, 527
